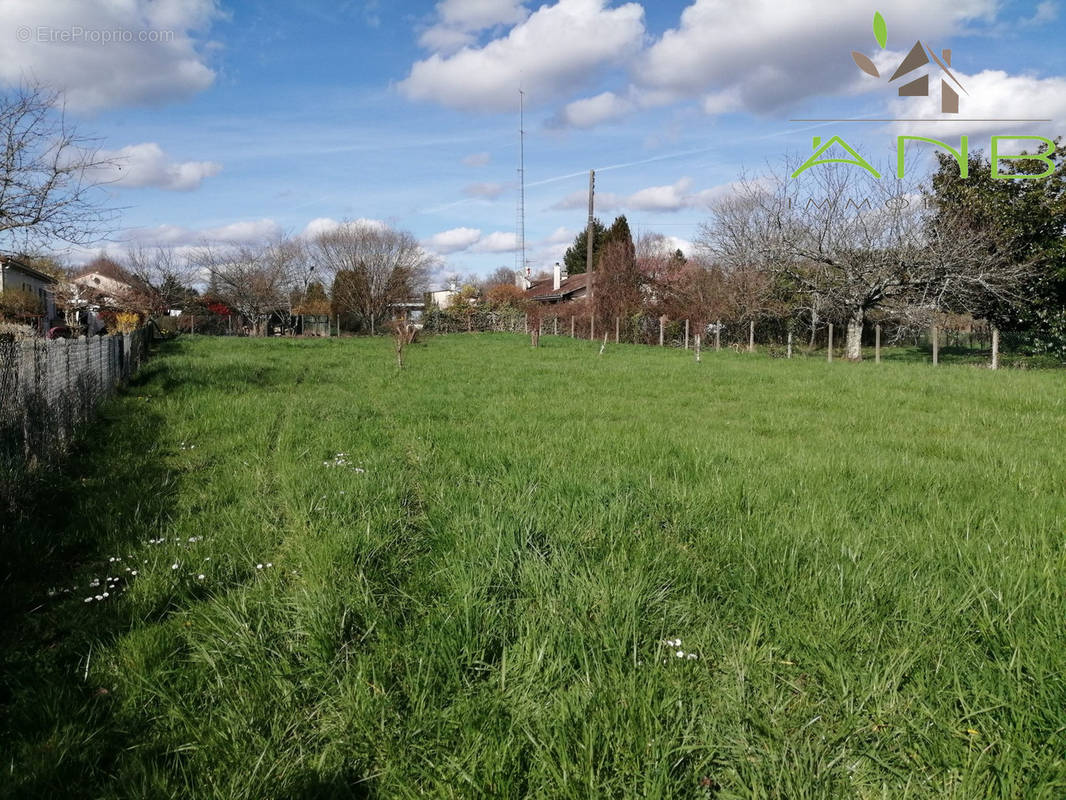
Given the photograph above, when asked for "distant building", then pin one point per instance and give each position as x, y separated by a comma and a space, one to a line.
560, 288
102, 286
105, 284
17, 276
444, 298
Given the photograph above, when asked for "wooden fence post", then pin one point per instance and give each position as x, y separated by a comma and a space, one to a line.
572, 327
936, 345
751, 336
830, 356
592, 327
877, 344
995, 348
662, 330
555, 330
617, 323
697, 348
525, 324
686, 334
718, 335
790, 344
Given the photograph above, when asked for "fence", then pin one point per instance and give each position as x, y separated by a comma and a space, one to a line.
49, 388
780, 337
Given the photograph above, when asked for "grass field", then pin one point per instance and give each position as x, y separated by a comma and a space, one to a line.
468, 579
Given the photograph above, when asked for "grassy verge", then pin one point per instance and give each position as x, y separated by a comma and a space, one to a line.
467, 579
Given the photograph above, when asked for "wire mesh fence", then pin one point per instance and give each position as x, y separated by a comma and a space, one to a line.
48, 388
779, 337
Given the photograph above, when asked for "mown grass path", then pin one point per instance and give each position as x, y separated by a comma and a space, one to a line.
460, 580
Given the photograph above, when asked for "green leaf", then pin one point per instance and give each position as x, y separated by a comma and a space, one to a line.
880, 29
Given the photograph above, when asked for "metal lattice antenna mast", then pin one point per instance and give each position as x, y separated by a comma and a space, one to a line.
520, 255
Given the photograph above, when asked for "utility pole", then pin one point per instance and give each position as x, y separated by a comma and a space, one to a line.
591, 235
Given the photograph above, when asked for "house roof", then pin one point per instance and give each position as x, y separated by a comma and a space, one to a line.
14, 263
542, 289
107, 269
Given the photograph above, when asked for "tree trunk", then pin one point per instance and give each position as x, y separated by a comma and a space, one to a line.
853, 343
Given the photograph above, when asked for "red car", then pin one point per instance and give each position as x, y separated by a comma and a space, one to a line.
59, 332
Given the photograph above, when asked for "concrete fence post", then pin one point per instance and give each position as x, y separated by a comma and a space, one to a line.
830, 350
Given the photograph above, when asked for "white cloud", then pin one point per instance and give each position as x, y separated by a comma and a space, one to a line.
107, 53
654, 199
760, 55
146, 165
605, 201
453, 241
561, 235
477, 160
246, 231
557, 48
498, 242
591, 111
476, 15
661, 198
327, 224
460, 20
176, 235
1047, 11
991, 94
489, 191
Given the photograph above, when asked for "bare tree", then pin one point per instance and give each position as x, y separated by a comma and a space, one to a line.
254, 279
501, 276
371, 267
162, 275
50, 175
619, 282
855, 243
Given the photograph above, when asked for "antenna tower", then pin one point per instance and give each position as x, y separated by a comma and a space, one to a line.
520, 254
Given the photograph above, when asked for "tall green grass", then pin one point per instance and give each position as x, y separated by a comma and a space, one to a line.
480, 597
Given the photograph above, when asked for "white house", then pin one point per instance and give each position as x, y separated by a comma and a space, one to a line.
17, 276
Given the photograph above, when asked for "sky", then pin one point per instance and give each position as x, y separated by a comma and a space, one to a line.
238, 120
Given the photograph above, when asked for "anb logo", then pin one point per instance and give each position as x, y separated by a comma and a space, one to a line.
923, 58
918, 57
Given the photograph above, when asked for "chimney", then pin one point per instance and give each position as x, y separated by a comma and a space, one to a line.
557, 278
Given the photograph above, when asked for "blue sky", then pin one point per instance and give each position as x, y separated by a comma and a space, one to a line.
261, 118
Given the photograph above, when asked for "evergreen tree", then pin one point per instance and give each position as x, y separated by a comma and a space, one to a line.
1030, 216
619, 232
577, 255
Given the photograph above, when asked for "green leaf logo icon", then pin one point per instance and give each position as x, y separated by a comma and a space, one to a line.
880, 29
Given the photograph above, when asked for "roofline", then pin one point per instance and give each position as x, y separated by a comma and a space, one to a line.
14, 262
89, 272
